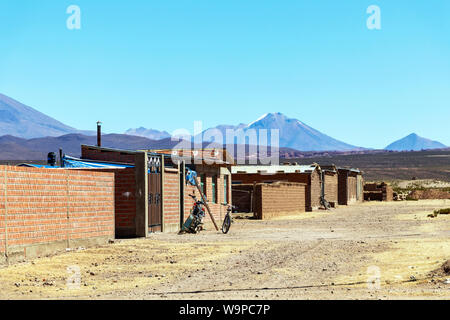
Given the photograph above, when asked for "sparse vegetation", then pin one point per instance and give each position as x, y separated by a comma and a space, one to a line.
438, 212
443, 211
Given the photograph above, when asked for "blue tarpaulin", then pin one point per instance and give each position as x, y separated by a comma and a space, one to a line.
71, 162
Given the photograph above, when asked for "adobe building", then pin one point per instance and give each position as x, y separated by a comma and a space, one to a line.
277, 199
330, 184
151, 192
350, 186
310, 175
378, 192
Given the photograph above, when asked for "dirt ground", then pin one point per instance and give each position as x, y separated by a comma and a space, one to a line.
365, 251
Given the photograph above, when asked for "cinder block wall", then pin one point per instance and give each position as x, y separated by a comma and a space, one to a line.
278, 199
43, 211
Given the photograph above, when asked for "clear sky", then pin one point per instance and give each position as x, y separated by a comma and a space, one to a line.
163, 64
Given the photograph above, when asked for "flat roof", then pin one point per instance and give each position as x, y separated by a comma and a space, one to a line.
273, 169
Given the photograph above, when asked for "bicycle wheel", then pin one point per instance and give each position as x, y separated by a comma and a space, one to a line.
226, 224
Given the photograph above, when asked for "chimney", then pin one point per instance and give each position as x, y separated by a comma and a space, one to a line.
99, 134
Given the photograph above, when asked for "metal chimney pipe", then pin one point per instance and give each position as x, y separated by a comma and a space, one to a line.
99, 134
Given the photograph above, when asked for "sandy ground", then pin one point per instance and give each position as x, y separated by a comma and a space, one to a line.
365, 251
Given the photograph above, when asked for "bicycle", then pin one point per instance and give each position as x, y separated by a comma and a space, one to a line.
228, 220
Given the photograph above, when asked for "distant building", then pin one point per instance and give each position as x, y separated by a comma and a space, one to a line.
350, 186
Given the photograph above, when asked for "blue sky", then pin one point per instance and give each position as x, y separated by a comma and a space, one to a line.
164, 64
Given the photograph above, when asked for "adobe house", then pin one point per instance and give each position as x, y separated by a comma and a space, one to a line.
158, 199
330, 184
378, 192
306, 174
350, 186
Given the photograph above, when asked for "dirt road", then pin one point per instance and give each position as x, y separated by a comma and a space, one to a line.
320, 255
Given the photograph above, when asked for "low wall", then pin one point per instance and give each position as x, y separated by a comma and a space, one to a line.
124, 199
278, 199
378, 192
243, 197
43, 211
429, 194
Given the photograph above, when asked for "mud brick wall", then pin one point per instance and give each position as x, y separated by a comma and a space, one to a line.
342, 188
43, 211
331, 188
312, 181
378, 192
278, 199
351, 185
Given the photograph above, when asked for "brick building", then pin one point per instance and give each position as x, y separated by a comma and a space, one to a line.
310, 175
378, 192
350, 186
158, 198
330, 184
278, 199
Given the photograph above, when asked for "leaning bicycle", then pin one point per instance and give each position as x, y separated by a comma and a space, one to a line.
228, 220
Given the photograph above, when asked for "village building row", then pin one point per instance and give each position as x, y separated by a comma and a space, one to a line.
111, 193
327, 184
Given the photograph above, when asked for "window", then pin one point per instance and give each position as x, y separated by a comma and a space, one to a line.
225, 189
203, 183
214, 189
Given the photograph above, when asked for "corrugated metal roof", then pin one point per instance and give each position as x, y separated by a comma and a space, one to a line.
349, 169
273, 169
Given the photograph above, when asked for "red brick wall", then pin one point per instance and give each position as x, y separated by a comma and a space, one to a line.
107, 155
278, 199
171, 195
124, 200
41, 206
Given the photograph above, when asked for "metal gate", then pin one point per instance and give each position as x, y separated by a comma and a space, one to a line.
154, 196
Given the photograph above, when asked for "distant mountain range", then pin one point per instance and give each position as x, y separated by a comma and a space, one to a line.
28, 134
148, 133
293, 134
19, 120
12, 148
414, 143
